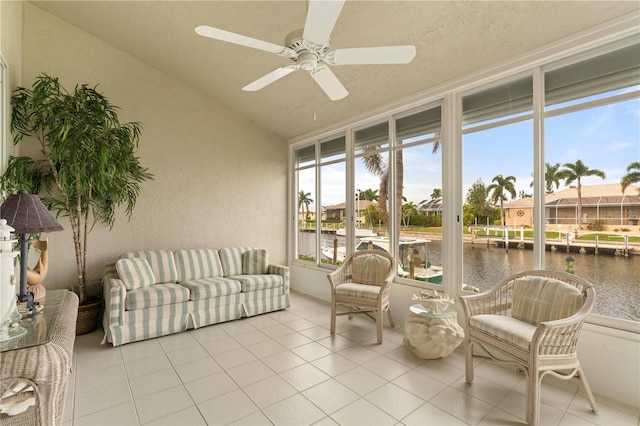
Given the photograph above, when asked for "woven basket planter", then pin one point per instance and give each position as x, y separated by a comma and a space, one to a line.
88, 316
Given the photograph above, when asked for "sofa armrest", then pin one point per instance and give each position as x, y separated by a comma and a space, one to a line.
114, 293
283, 271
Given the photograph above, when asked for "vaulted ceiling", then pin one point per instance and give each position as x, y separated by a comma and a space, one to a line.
452, 39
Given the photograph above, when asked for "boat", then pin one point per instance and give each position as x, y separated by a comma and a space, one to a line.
410, 248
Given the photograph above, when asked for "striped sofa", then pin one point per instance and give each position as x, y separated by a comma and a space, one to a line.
158, 292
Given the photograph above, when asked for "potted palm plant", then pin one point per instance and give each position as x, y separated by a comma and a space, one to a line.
88, 170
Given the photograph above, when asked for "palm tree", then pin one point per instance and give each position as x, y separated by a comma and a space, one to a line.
304, 198
436, 194
497, 190
633, 176
551, 177
574, 172
408, 210
370, 194
376, 165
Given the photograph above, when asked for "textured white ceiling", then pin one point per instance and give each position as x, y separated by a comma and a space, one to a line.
452, 38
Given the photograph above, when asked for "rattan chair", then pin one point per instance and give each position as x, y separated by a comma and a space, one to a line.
531, 320
362, 284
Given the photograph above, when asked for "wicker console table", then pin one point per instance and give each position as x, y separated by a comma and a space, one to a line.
42, 359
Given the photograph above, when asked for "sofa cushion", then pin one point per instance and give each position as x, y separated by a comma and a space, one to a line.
135, 273
161, 261
198, 263
255, 262
205, 288
155, 295
232, 260
369, 269
538, 299
259, 282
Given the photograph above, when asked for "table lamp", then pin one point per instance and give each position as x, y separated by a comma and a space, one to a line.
26, 214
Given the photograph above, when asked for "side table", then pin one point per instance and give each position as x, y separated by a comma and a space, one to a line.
42, 359
431, 336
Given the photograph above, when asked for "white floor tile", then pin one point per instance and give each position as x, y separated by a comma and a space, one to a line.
269, 391
394, 400
250, 372
100, 399
197, 369
163, 403
330, 396
304, 376
123, 414
154, 382
362, 412
295, 410
334, 364
189, 416
361, 380
461, 405
227, 408
210, 387
429, 415
283, 361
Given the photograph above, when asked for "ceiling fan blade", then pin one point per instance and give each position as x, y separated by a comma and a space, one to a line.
270, 78
328, 82
230, 37
321, 17
372, 55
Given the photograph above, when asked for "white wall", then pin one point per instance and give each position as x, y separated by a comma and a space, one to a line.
209, 164
610, 358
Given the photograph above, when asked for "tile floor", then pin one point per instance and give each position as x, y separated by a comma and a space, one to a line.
284, 368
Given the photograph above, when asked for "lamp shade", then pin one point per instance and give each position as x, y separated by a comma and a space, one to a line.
26, 214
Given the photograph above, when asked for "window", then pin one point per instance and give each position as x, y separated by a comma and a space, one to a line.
305, 194
382, 182
591, 137
418, 196
497, 168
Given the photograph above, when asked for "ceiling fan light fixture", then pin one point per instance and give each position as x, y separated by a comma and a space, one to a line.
310, 50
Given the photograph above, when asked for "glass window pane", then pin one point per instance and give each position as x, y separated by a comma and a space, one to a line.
305, 156
372, 138
506, 100
306, 199
497, 166
333, 149
589, 152
419, 183
585, 80
332, 196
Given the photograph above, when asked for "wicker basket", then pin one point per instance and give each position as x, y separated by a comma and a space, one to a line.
88, 316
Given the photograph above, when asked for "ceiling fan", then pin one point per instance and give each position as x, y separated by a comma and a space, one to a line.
310, 50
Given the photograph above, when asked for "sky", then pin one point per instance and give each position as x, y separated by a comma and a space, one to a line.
605, 138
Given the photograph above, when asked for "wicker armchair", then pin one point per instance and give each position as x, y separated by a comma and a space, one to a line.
362, 284
535, 319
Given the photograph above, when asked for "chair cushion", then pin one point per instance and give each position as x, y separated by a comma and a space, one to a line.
539, 299
507, 328
135, 273
259, 282
198, 263
369, 269
155, 295
204, 288
362, 291
161, 261
254, 262
232, 260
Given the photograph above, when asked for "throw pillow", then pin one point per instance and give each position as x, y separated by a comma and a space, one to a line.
135, 273
369, 269
255, 262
